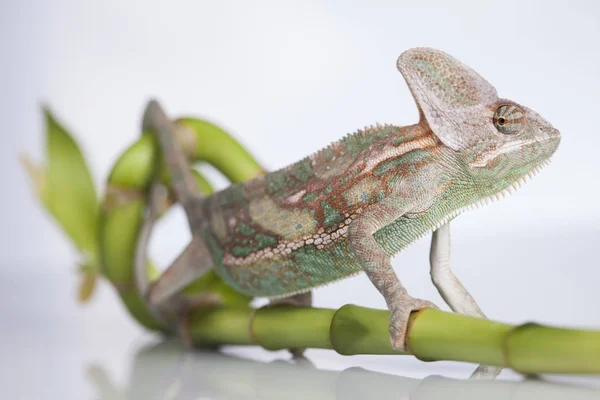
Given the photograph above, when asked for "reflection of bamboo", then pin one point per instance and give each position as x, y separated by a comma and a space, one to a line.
103, 384
167, 371
66, 190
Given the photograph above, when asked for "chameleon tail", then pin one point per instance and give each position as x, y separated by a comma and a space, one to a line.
162, 297
182, 180
195, 260
142, 279
141, 273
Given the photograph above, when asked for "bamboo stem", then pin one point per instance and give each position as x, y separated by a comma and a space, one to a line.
432, 335
485, 338
559, 350
364, 325
274, 328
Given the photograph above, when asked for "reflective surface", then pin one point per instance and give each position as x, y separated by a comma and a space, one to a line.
167, 371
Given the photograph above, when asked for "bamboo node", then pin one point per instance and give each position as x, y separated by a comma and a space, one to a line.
251, 327
118, 195
506, 344
186, 137
415, 315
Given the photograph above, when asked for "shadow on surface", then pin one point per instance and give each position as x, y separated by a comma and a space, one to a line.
168, 371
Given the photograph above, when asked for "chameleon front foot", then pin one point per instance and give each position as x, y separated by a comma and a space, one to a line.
399, 314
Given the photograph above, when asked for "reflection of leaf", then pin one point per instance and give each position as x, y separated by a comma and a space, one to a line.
105, 387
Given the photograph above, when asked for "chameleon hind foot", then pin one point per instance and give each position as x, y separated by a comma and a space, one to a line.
400, 311
183, 328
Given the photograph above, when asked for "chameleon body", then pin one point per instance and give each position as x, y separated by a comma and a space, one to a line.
351, 206
286, 232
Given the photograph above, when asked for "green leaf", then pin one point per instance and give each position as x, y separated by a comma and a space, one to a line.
66, 189
86, 287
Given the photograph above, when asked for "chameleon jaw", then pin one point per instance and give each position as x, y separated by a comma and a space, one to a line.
495, 196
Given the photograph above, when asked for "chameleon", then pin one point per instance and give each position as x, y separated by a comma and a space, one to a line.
352, 206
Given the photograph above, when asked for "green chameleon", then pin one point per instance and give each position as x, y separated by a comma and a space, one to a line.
350, 207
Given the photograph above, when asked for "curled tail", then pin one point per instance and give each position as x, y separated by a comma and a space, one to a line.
142, 279
182, 180
195, 260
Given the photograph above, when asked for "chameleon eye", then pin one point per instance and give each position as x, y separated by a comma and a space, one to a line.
509, 119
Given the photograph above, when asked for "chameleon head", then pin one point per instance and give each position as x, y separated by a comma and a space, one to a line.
496, 140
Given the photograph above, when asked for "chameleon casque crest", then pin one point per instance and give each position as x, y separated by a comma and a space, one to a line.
350, 207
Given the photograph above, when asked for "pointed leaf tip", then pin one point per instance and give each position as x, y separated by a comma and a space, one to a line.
86, 287
36, 175
65, 186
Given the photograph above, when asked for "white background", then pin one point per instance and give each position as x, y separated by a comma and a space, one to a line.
288, 78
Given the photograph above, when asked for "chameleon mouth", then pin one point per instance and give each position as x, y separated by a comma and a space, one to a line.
495, 196
490, 155
483, 160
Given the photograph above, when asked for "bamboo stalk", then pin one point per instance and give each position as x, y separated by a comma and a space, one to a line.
432, 335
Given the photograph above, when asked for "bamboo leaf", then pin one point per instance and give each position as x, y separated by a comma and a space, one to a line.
36, 175
69, 193
65, 187
86, 287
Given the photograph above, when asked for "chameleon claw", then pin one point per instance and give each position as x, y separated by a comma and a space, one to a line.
399, 316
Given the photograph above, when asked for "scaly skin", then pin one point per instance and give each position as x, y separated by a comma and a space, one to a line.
350, 207
287, 232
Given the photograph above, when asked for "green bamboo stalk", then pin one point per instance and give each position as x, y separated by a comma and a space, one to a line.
432, 335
